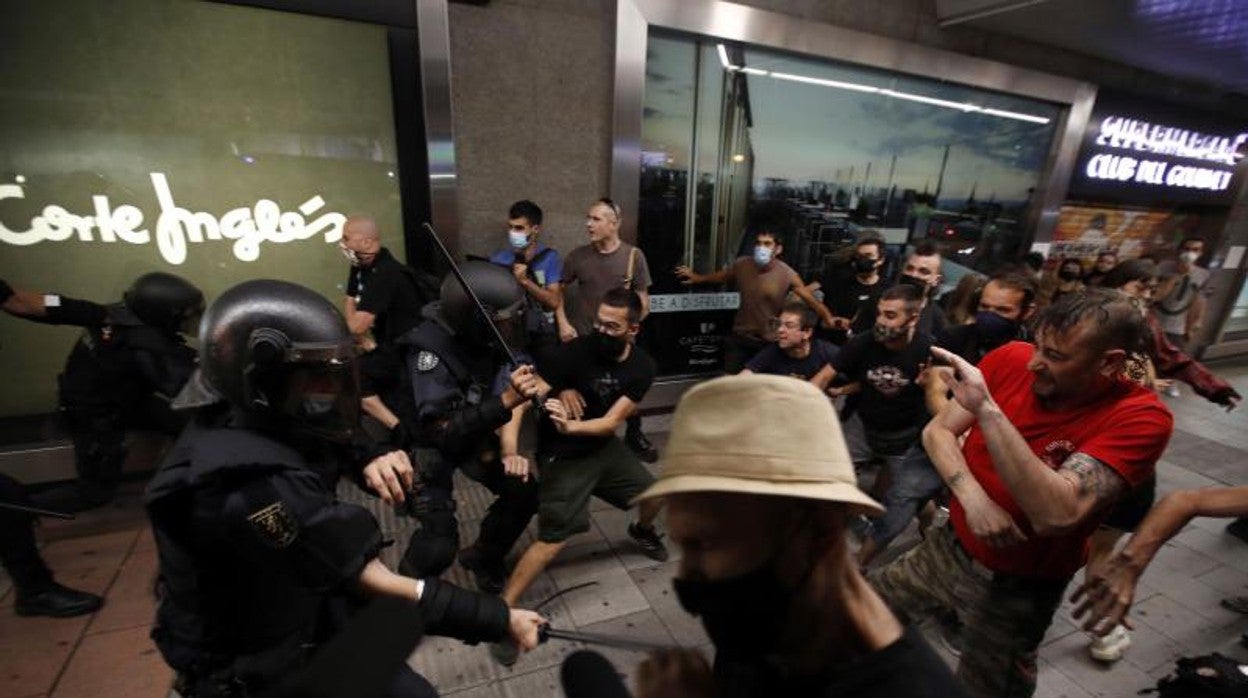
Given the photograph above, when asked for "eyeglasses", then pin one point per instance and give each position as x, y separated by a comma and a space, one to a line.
609, 328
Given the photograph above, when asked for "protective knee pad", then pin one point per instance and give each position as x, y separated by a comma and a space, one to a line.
432, 548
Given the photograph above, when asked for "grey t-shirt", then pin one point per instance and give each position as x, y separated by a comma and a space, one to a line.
1173, 309
589, 274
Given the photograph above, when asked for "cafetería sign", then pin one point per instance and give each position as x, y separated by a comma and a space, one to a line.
1139, 152
176, 228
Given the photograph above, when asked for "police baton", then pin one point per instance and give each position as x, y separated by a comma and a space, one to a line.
545, 632
476, 302
36, 511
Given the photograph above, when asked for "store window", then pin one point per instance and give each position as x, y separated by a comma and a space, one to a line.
217, 142
737, 138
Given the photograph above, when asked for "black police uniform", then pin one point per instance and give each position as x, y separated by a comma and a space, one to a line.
394, 293
257, 558
458, 414
110, 383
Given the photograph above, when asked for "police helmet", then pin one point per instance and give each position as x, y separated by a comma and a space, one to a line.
499, 293
165, 301
281, 352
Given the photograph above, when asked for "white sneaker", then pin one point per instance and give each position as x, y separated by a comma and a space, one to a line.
1110, 648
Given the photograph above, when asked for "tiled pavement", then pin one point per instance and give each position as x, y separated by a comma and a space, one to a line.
111, 552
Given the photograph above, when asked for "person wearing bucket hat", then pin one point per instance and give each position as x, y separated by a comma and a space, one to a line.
758, 502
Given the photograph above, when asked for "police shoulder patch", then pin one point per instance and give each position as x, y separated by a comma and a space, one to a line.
426, 361
275, 525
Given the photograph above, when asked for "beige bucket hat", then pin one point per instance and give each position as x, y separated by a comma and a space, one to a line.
755, 434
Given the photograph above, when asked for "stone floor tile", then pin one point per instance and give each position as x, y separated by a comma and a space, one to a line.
130, 602
544, 682
1070, 656
614, 593
91, 551
120, 663
29, 666
1052, 683
656, 585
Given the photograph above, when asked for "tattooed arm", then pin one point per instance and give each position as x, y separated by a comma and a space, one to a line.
1055, 501
987, 520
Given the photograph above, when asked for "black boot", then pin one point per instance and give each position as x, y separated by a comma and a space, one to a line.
487, 570
57, 602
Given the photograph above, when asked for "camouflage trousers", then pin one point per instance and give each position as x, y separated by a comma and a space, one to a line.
1004, 617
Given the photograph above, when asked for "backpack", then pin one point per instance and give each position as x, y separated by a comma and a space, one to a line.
1209, 676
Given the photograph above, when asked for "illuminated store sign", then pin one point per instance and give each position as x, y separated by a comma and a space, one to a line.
176, 227
1136, 152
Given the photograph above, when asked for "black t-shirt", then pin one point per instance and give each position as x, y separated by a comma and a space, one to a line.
388, 291
908, 668
577, 365
965, 341
890, 399
846, 296
772, 360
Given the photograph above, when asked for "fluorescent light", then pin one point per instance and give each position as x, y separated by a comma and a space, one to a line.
826, 83
870, 89
963, 106
1017, 115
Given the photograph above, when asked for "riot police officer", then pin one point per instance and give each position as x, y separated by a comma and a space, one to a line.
453, 361
256, 554
130, 361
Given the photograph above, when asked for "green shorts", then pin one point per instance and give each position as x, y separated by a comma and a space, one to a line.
611, 473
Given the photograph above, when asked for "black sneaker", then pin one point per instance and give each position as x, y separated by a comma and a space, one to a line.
639, 444
649, 540
489, 574
1239, 528
57, 602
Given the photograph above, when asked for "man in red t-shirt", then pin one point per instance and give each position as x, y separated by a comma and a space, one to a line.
1054, 436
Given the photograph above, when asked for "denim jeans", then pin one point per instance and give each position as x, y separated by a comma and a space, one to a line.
913, 481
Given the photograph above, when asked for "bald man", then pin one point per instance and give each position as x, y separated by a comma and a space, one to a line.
383, 303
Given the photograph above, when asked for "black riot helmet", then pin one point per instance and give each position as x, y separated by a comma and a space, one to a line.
498, 292
281, 353
166, 302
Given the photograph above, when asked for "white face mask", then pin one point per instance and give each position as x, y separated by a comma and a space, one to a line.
518, 241
1190, 257
351, 256
763, 255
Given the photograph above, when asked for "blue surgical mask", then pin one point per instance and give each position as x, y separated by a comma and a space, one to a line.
763, 255
519, 241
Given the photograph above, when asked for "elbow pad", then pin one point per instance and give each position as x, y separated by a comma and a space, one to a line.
467, 615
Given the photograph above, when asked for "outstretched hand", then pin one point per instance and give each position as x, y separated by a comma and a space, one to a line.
965, 381
1106, 595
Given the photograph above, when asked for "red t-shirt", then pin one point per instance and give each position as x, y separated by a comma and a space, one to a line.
1127, 430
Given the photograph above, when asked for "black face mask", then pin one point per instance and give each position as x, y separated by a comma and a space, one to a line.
1068, 275
913, 281
862, 265
609, 347
994, 330
743, 615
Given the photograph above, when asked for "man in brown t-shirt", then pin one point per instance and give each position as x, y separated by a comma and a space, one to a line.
764, 283
589, 271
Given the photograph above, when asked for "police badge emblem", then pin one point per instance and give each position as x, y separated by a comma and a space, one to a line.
426, 361
275, 525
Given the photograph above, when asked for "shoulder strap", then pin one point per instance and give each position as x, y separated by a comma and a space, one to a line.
632, 263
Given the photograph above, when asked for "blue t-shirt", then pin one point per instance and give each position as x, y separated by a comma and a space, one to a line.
772, 360
546, 267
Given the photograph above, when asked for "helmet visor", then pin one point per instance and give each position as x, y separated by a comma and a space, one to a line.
315, 388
